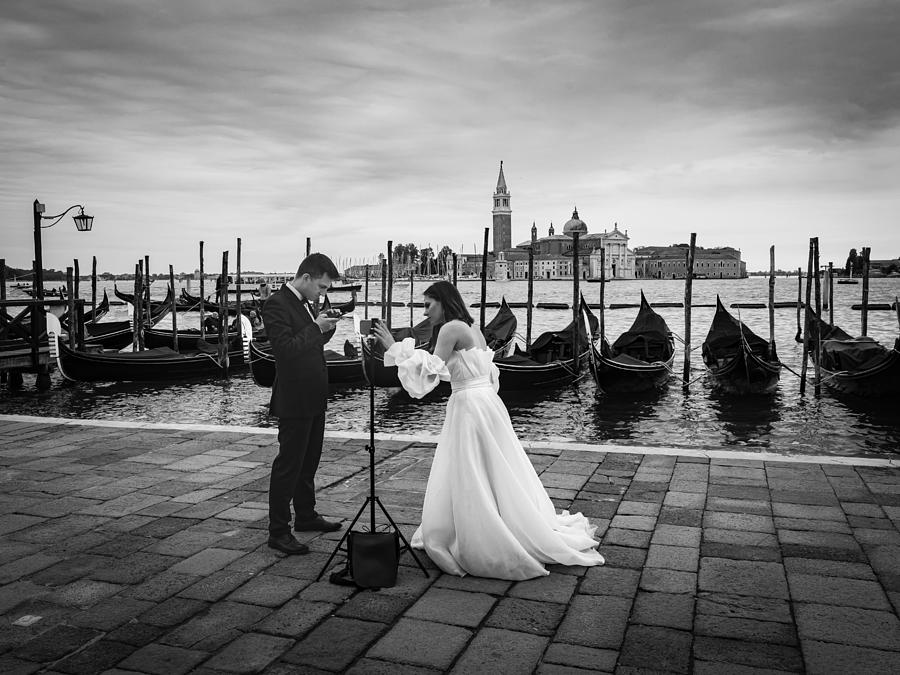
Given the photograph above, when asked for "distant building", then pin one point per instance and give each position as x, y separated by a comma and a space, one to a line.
885, 268
670, 262
502, 215
553, 257
553, 254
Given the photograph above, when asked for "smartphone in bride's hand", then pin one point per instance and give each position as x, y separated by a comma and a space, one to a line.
367, 326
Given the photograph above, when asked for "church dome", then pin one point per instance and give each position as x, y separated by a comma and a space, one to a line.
575, 225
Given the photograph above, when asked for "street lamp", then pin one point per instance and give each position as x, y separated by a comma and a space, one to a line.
83, 223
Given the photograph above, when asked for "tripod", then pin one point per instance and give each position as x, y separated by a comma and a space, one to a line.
372, 499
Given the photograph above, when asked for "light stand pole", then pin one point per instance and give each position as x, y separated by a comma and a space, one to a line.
372, 499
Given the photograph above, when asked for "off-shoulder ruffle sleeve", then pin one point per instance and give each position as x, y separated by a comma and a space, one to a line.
419, 370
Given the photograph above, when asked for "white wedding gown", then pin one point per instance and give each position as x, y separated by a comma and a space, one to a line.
486, 512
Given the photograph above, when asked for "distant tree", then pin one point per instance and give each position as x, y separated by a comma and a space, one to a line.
852, 262
445, 259
426, 255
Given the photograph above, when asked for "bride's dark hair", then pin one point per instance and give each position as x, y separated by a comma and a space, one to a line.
451, 301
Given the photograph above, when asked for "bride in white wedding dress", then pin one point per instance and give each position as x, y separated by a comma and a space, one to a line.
486, 512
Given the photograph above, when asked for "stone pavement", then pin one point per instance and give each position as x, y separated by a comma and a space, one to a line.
142, 549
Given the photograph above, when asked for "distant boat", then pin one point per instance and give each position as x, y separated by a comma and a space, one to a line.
848, 279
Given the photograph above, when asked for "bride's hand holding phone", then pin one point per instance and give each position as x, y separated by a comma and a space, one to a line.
381, 333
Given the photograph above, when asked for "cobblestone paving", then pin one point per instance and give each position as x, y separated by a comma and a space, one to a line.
144, 550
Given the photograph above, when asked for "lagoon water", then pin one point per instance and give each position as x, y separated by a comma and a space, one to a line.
783, 422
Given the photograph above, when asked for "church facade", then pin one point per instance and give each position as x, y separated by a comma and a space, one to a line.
553, 254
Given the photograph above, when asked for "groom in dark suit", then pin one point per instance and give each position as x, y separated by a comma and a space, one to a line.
297, 335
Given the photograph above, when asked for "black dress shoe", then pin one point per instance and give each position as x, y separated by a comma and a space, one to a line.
317, 524
287, 544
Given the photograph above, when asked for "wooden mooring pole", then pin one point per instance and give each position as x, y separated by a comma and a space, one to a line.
831, 294
529, 311
771, 302
484, 255
576, 304
602, 297
817, 363
136, 309
807, 321
147, 284
173, 309
237, 296
390, 286
94, 286
799, 335
454, 269
688, 281
383, 289
70, 299
366, 310
866, 252
411, 296
223, 314
202, 298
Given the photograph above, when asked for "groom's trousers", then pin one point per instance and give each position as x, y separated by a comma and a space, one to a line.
294, 471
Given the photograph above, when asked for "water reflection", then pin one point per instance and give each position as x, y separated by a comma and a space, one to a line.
620, 417
747, 420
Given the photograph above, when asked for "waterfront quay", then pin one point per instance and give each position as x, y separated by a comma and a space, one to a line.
141, 548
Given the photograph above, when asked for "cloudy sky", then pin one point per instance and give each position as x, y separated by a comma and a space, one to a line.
748, 122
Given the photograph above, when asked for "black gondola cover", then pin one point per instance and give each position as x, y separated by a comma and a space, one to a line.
649, 338
724, 337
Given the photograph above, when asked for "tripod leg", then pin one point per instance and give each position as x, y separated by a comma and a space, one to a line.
402, 538
343, 538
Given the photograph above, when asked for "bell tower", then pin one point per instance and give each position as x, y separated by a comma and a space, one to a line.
502, 215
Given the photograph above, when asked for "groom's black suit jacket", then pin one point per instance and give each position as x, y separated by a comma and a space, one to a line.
301, 378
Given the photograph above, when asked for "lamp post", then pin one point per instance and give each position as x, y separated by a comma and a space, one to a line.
83, 223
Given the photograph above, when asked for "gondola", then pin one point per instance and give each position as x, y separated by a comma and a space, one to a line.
157, 307
188, 302
858, 366
109, 334
640, 360
550, 362
91, 316
343, 368
499, 334
739, 361
161, 364
188, 338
